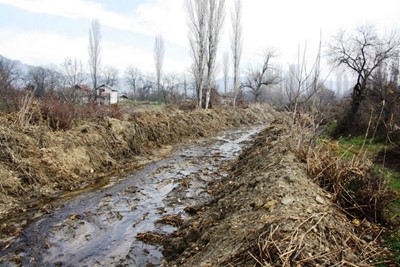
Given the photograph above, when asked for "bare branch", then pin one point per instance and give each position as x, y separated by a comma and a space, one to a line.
362, 52
265, 76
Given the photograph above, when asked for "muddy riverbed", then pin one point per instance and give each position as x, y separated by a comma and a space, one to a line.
115, 225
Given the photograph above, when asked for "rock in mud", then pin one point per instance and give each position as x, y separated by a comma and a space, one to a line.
319, 200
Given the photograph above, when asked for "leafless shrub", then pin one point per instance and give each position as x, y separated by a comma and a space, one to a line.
58, 114
26, 113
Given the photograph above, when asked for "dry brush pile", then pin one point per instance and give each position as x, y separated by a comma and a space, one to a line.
269, 212
350, 178
36, 160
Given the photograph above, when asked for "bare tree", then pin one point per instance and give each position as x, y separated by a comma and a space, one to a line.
73, 72
109, 75
303, 81
216, 15
197, 11
362, 52
170, 83
225, 70
185, 83
56, 79
145, 86
9, 75
132, 77
94, 51
159, 50
236, 46
43, 79
257, 79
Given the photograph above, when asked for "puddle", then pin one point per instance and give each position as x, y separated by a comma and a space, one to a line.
99, 228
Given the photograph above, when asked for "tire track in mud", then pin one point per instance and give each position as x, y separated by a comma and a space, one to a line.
100, 228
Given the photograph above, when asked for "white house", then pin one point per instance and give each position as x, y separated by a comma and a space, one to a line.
106, 94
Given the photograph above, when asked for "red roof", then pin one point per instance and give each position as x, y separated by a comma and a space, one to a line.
83, 87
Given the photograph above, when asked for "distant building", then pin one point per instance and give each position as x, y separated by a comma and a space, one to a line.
123, 97
226, 100
106, 94
82, 93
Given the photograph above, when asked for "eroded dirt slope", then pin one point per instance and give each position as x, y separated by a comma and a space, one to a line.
38, 165
121, 223
269, 213
36, 161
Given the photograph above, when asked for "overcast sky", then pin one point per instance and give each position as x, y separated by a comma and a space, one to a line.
42, 32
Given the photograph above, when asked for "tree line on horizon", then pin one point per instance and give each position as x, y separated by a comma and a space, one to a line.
370, 57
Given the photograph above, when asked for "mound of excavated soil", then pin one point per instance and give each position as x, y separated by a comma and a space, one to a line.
36, 161
269, 213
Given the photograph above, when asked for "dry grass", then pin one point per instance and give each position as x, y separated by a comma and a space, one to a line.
317, 240
324, 237
351, 180
271, 211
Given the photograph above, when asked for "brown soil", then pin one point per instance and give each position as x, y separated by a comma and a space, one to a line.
37, 162
268, 212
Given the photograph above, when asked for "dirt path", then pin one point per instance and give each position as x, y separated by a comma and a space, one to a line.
104, 227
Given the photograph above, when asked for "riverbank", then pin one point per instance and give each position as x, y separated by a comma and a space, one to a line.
118, 223
270, 212
38, 162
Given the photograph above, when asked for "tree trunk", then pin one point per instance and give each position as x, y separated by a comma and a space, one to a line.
349, 122
256, 97
208, 94
199, 97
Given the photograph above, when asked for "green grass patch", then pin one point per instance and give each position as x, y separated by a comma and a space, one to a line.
356, 145
392, 214
394, 180
392, 240
392, 177
142, 105
330, 128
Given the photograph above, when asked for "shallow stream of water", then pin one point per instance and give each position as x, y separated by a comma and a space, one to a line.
99, 228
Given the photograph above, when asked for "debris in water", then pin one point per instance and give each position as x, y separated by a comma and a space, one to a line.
151, 238
174, 220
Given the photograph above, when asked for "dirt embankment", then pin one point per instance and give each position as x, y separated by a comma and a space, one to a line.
36, 161
269, 213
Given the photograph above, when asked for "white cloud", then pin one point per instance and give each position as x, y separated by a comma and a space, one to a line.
149, 18
164, 17
40, 48
286, 24
64, 8
281, 24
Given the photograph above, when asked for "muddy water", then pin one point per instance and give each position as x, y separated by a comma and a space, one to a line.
99, 228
